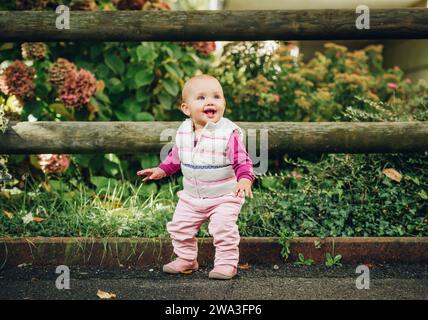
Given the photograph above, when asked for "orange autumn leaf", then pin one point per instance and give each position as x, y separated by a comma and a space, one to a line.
8, 214
38, 219
105, 295
392, 174
187, 272
243, 266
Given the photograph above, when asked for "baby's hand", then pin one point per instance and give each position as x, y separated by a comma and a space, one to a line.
152, 173
244, 185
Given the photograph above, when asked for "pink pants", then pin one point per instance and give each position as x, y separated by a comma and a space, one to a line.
189, 215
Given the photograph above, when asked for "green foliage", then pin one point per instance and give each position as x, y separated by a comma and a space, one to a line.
342, 195
264, 84
326, 195
301, 261
331, 261
140, 81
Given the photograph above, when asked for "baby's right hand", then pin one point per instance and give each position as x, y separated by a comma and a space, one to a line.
152, 173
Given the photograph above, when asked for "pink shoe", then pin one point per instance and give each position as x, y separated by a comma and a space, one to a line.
180, 266
223, 272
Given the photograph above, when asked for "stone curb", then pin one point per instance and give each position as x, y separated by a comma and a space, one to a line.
139, 252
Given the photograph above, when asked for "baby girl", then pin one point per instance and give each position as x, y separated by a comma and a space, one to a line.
217, 175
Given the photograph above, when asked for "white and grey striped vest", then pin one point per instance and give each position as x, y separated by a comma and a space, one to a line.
207, 171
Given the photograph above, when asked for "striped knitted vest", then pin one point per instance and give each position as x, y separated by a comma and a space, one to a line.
207, 171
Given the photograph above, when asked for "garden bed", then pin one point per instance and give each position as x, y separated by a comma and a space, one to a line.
136, 252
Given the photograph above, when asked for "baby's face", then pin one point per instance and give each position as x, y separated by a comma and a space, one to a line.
204, 101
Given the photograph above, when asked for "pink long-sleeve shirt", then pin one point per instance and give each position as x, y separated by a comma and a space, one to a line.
238, 157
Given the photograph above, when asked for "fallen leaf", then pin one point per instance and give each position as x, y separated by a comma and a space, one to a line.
30, 218
187, 272
47, 186
244, 266
392, 174
5, 194
105, 295
317, 244
27, 218
22, 265
8, 214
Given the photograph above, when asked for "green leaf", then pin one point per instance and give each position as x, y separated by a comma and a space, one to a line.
174, 51
144, 116
112, 158
271, 183
131, 106
6, 46
110, 167
101, 182
171, 87
102, 97
32, 107
174, 71
165, 99
115, 85
58, 186
144, 77
122, 116
141, 95
146, 190
62, 110
102, 71
423, 194
146, 54
95, 50
115, 63
149, 160
189, 69
82, 159
42, 89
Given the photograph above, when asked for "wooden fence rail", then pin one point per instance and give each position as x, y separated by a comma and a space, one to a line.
409, 23
291, 137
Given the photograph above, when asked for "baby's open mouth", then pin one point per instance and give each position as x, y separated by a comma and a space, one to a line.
210, 112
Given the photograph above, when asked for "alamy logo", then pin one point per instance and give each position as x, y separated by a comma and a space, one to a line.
63, 281
63, 20
363, 281
363, 20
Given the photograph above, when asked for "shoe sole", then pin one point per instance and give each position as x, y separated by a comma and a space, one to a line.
173, 271
219, 276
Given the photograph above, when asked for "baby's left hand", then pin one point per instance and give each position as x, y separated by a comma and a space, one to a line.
243, 186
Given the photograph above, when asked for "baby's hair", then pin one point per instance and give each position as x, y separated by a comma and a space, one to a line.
196, 77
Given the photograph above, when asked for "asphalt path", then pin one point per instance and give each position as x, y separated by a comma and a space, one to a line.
286, 281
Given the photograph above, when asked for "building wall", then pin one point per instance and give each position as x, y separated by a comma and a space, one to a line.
409, 55
317, 4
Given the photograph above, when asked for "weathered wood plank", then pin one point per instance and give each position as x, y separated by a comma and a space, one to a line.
409, 23
291, 137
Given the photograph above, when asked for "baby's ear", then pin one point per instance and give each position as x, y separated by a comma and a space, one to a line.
185, 108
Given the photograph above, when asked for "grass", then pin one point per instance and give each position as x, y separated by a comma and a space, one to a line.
326, 201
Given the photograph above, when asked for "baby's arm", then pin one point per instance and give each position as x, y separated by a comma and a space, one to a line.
168, 167
171, 164
242, 165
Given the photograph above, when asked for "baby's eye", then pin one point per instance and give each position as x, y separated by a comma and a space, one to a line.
200, 97
217, 96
